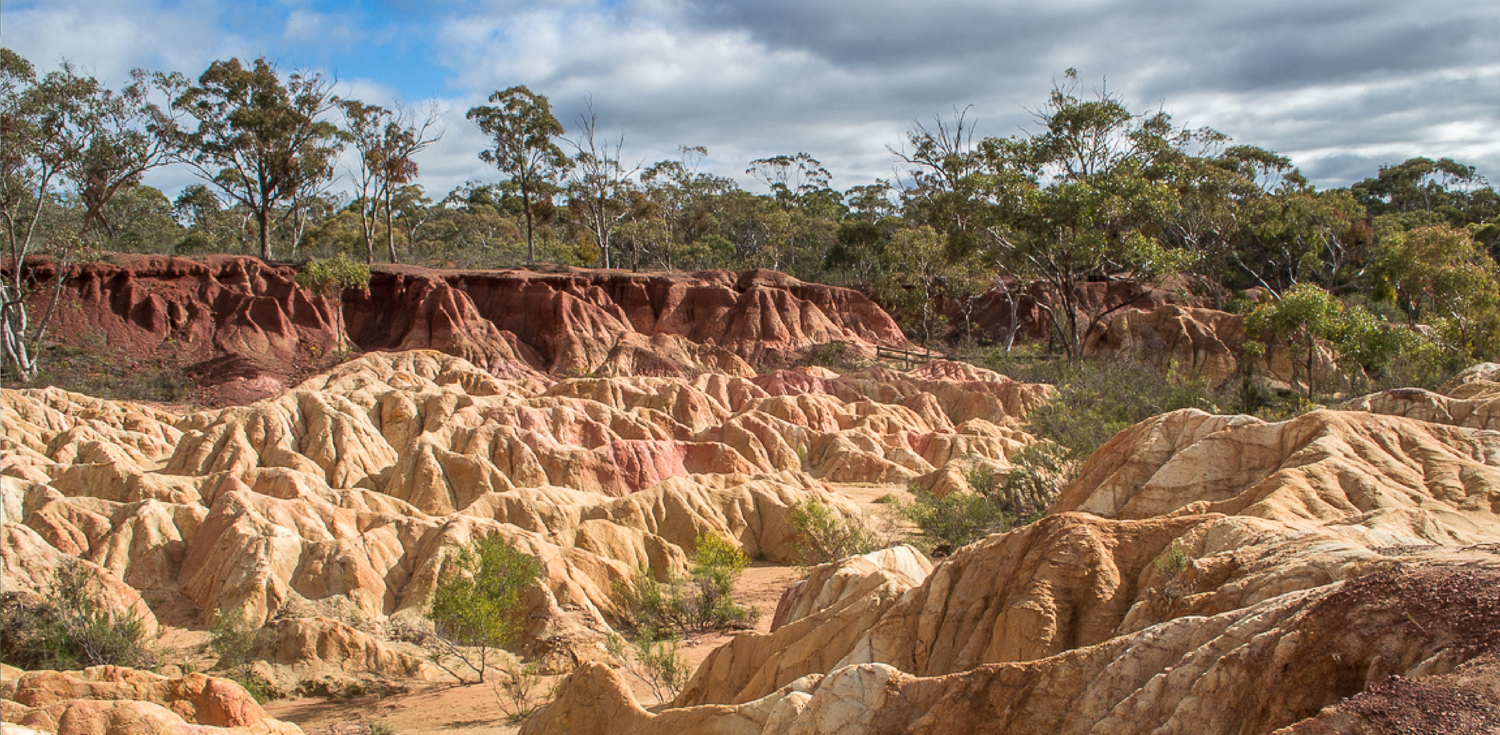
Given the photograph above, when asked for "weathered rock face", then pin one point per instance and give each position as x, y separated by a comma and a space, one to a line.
345, 496
247, 327
818, 621
1201, 342
108, 700
1203, 574
572, 320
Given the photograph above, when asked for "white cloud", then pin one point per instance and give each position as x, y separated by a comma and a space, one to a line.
1335, 84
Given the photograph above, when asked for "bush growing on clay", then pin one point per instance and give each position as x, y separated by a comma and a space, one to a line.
821, 535
68, 628
514, 692
699, 602
995, 501
1097, 399
654, 662
477, 606
329, 278
234, 639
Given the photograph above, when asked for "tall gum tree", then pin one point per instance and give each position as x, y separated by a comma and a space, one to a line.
387, 141
259, 140
65, 132
520, 124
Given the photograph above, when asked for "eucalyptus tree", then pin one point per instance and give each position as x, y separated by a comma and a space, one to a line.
523, 130
685, 199
790, 177
387, 140
261, 141
600, 186
65, 135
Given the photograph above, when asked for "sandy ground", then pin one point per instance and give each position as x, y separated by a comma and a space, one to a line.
452, 709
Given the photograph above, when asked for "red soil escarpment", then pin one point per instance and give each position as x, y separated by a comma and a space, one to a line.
571, 322
245, 329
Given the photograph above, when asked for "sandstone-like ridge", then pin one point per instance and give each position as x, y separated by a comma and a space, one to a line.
1205, 574
109, 700
340, 499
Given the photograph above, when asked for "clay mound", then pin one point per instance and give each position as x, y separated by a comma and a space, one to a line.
1471, 400
1250, 669
356, 485
1201, 342
1320, 467
668, 355
817, 622
110, 700
1213, 552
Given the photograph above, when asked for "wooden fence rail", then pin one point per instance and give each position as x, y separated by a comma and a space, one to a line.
908, 358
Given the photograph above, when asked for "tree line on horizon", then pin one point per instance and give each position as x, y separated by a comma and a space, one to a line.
1097, 191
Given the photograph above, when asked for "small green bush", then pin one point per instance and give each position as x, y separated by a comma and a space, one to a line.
514, 692
956, 519
700, 602
1172, 561
233, 640
261, 690
994, 503
476, 607
68, 628
653, 661
1097, 399
820, 535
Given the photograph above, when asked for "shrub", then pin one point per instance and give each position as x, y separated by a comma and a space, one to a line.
232, 639
1172, 561
329, 278
476, 607
1097, 399
994, 503
655, 662
514, 692
821, 535
96, 369
700, 602
956, 519
68, 628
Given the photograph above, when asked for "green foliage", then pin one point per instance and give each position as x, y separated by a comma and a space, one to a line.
1367, 350
258, 688
68, 628
653, 661
1096, 399
477, 606
330, 277
956, 519
1172, 561
261, 141
700, 602
93, 368
520, 124
821, 535
335, 274
994, 503
233, 639
515, 690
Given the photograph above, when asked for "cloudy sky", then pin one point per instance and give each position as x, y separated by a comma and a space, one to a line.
1340, 86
